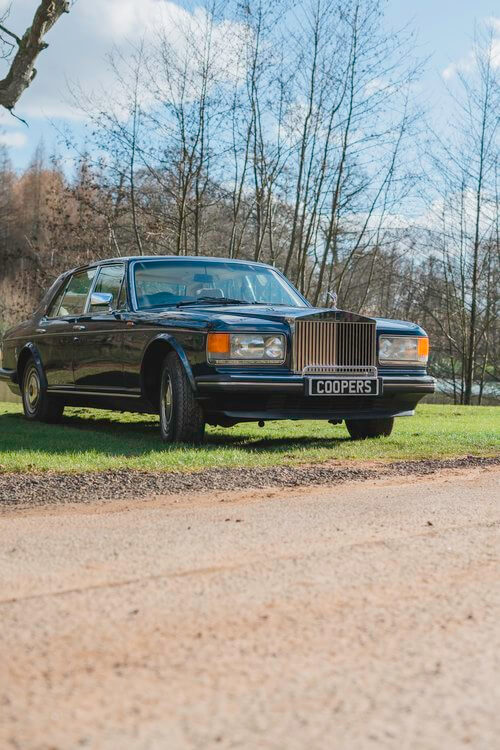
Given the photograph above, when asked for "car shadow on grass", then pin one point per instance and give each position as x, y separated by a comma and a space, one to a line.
80, 432
149, 427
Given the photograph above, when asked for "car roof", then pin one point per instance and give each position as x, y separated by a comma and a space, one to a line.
202, 258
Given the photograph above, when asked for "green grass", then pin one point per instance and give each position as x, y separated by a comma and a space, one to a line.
91, 440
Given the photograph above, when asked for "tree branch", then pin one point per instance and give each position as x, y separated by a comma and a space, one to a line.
22, 70
10, 33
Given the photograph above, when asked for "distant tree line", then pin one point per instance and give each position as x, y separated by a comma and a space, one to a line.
286, 134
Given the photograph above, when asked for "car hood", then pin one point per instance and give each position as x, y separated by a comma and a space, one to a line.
218, 317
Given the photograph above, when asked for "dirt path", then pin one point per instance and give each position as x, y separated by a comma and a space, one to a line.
361, 616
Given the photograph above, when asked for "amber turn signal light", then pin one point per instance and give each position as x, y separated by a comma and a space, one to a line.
423, 346
218, 343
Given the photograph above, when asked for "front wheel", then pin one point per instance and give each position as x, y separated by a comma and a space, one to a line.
360, 429
181, 416
37, 404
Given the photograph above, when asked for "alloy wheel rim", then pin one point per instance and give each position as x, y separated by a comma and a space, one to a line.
32, 391
167, 403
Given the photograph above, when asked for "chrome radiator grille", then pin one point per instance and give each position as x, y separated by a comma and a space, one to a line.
338, 344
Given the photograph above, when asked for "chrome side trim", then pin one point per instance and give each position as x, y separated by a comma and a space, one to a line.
74, 392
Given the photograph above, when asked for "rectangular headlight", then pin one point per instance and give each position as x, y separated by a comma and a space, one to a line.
403, 350
249, 348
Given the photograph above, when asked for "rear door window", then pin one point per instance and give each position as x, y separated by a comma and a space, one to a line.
53, 309
77, 291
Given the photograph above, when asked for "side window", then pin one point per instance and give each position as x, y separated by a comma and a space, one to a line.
53, 309
109, 281
76, 293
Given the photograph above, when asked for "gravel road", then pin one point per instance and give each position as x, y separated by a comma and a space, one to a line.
28, 490
362, 615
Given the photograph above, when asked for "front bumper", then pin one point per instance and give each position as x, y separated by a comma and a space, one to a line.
9, 376
230, 398
229, 383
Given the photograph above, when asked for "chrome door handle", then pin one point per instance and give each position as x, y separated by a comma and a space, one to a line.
79, 328
41, 330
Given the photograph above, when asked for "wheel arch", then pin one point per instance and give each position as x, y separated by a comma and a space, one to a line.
30, 351
153, 356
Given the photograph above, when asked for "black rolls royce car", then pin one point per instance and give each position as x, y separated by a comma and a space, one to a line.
210, 340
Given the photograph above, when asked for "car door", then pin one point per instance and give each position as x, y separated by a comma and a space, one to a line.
97, 344
55, 331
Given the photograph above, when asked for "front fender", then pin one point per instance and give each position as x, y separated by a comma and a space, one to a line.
172, 341
30, 349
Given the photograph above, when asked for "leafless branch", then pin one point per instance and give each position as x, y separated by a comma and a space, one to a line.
22, 69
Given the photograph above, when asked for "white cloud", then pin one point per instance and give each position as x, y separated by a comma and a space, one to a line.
456, 215
467, 63
464, 65
375, 85
81, 41
7, 119
494, 22
13, 139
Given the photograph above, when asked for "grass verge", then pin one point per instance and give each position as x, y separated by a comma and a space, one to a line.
93, 440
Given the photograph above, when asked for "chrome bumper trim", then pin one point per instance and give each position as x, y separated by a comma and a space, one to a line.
391, 384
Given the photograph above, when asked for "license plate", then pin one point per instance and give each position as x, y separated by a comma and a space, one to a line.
342, 386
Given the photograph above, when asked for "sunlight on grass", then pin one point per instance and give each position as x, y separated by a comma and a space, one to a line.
92, 440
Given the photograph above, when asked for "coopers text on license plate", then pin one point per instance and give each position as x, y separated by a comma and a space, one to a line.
342, 386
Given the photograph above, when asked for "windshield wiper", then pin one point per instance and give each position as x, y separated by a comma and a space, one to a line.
216, 301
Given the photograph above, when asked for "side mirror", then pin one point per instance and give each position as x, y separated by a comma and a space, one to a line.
101, 299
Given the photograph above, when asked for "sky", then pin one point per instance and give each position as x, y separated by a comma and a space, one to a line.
81, 40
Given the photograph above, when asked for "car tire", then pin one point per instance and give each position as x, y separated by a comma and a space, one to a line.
181, 416
38, 405
361, 429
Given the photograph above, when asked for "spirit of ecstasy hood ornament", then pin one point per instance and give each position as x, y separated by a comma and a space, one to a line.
333, 297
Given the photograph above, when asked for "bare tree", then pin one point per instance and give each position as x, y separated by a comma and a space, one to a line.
481, 104
465, 209
280, 132
22, 69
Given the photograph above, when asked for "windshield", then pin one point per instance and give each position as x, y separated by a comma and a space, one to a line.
160, 283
